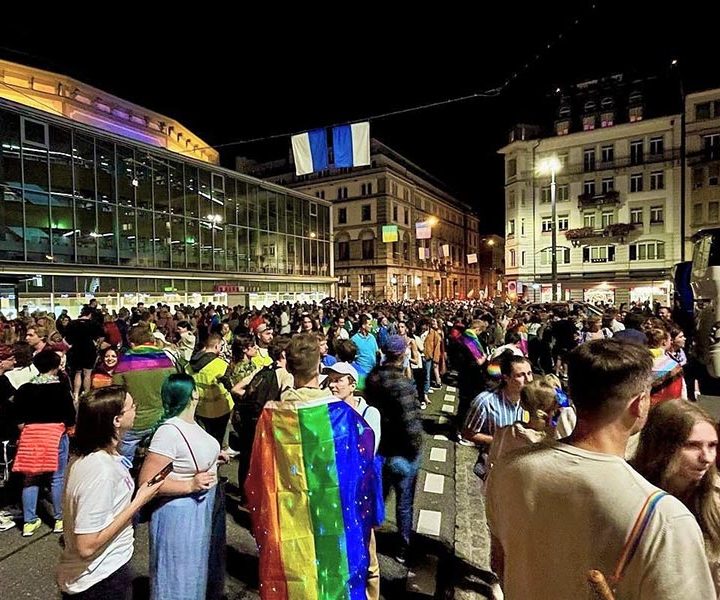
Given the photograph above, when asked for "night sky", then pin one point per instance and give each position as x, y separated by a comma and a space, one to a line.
239, 75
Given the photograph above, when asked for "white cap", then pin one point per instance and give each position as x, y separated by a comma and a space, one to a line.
343, 368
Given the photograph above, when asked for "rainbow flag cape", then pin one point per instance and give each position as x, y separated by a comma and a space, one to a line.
311, 492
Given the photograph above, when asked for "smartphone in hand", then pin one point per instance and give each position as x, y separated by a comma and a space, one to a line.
161, 475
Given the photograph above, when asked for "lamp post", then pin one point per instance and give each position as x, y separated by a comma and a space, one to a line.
551, 166
394, 282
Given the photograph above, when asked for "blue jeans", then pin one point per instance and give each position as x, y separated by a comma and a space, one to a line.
401, 474
31, 486
428, 366
131, 440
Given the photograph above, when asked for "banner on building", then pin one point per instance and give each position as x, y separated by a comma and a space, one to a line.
424, 253
351, 145
472, 259
389, 233
423, 230
445, 250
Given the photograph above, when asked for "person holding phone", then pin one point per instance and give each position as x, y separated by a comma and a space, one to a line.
190, 511
98, 503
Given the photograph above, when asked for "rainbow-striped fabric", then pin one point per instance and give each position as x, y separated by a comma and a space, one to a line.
311, 493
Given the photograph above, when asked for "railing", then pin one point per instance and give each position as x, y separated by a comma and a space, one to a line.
617, 231
603, 198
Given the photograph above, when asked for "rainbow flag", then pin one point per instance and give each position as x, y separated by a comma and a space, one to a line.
311, 493
143, 357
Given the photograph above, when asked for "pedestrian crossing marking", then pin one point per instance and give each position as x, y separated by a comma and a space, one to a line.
448, 408
442, 420
441, 438
438, 455
449, 398
434, 483
450, 389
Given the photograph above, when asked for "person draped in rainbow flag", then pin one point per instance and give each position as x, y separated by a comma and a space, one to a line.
311, 489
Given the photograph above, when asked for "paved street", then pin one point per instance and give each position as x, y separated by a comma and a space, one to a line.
451, 547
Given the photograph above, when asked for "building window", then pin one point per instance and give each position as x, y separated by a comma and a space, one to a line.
608, 218
368, 249
367, 279
343, 250
511, 167
636, 216
657, 180
546, 224
522, 258
313, 209
522, 226
589, 160
512, 260
657, 146
320, 194
588, 123
702, 111
647, 251
589, 220
608, 154
713, 174
698, 177
35, 133
406, 216
342, 193
545, 194
395, 213
589, 187
712, 146
636, 152
511, 200
562, 193
635, 113
562, 254
393, 188
608, 184
365, 213
714, 211
636, 182
697, 215
598, 254
342, 216
511, 227
562, 222
657, 214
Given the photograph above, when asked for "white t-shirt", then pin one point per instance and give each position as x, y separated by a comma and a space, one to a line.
97, 489
371, 416
559, 511
168, 442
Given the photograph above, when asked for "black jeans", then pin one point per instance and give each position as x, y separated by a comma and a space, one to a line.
116, 587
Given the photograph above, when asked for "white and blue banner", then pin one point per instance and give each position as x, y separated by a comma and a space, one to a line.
310, 151
351, 145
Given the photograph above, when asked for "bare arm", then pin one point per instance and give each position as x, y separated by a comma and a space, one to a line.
478, 438
173, 487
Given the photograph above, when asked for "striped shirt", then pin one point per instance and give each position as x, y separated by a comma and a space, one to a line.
490, 411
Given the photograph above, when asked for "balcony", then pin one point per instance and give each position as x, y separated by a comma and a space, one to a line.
615, 232
602, 199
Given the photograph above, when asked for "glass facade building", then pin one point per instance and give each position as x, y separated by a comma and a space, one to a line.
86, 212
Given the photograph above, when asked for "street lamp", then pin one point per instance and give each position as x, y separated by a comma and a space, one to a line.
394, 282
551, 166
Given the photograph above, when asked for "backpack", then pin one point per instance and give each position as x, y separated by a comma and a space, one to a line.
262, 388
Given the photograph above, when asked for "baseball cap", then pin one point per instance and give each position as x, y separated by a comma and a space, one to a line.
342, 368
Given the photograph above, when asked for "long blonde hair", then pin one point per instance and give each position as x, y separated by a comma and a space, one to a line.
539, 398
667, 429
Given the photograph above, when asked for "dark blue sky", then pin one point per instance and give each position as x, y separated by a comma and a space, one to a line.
239, 75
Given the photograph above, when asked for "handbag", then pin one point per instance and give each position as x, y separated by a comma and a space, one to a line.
604, 589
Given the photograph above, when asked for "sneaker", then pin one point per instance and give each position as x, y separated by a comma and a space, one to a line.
58, 526
423, 405
401, 555
462, 441
6, 522
31, 527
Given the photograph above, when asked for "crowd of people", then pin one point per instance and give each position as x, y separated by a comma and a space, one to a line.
125, 417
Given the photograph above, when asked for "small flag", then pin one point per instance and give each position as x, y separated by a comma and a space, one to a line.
351, 145
389, 233
445, 248
310, 151
423, 253
472, 259
423, 230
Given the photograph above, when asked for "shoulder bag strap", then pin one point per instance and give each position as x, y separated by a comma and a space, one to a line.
197, 469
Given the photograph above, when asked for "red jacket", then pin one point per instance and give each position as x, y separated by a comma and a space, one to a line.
38, 448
